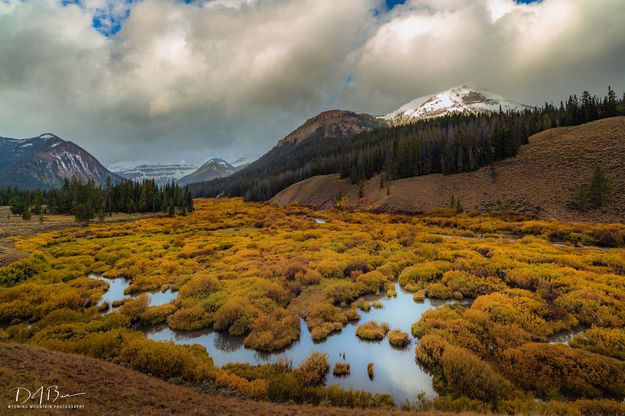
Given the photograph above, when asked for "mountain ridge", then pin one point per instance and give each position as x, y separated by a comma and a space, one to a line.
162, 174
211, 169
45, 161
332, 123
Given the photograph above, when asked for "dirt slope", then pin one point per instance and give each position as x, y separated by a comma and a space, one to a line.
112, 390
541, 179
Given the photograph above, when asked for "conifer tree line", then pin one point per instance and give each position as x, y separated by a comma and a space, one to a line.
85, 200
450, 144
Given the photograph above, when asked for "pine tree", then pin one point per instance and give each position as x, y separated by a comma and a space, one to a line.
458, 207
171, 210
26, 215
452, 202
581, 200
598, 193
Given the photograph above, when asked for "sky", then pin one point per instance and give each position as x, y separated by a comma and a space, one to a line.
168, 81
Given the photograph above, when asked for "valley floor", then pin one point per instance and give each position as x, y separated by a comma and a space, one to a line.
12, 226
258, 272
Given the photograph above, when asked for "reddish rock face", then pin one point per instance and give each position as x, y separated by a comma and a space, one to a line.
333, 123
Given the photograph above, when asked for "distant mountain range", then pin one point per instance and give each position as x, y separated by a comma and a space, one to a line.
180, 173
214, 168
45, 161
161, 174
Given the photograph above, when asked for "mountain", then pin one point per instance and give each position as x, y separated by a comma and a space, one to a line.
459, 130
540, 180
214, 168
161, 174
333, 123
458, 100
45, 161
287, 161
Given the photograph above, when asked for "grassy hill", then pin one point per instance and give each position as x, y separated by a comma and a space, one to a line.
541, 180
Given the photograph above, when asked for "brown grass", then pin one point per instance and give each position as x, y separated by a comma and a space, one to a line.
541, 180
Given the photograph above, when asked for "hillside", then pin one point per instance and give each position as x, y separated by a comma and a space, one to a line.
542, 178
114, 390
45, 161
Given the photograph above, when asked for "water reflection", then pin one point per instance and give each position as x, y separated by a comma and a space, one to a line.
397, 371
118, 286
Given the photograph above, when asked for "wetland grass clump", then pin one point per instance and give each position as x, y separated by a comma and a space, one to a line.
341, 369
398, 339
419, 296
372, 331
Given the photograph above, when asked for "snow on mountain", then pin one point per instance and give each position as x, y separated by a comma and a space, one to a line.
45, 161
161, 174
213, 169
458, 100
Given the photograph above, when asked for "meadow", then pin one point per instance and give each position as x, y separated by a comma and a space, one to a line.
254, 270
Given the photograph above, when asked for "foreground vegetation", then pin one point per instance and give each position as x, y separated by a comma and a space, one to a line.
254, 270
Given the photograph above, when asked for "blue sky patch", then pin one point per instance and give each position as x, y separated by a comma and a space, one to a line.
392, 3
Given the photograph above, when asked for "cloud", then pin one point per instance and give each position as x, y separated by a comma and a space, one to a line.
230, 77
178, 80
529, 52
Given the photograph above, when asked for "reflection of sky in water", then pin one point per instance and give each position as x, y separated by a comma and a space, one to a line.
118, 286
160, 298
320, 221
396, 371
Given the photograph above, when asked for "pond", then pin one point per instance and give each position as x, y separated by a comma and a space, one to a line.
117, 287
320, 220
396, 370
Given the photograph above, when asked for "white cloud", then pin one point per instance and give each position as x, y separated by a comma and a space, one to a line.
531, 53
230, 77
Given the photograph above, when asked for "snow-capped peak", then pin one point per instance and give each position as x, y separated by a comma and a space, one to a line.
462, 99
49, 136
217, 161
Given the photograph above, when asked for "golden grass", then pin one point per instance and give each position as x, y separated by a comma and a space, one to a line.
255, 270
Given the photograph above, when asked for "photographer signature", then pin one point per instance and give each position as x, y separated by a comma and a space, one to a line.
47, 394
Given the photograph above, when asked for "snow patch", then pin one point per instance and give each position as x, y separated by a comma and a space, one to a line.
458, 100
